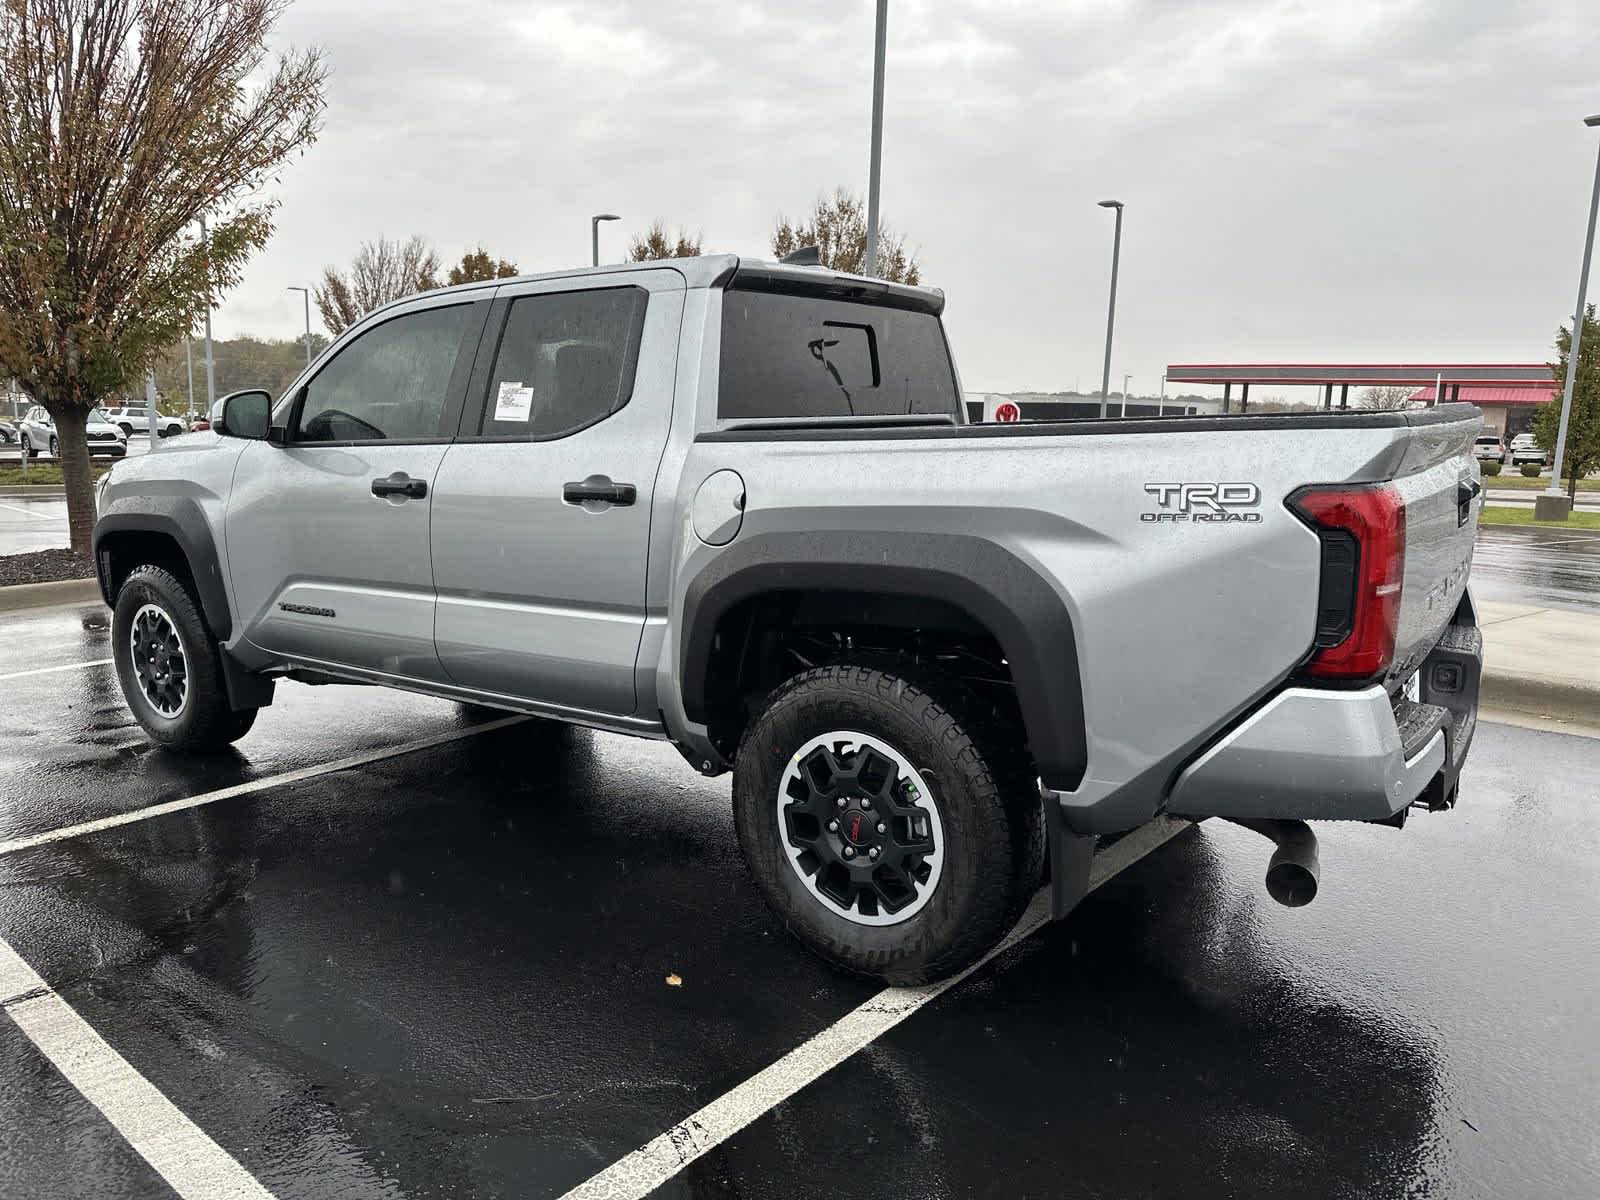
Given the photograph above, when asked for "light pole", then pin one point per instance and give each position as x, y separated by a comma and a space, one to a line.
1123, 411
875, 166
1111, 312
1553, 505
594, 233
306, 294
211, 374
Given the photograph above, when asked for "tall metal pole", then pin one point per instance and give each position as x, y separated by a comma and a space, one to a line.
1111, 311
305, 294
874, 169
1577, 325
211, 371
594, 235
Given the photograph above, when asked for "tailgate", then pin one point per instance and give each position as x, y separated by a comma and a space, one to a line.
1440, 484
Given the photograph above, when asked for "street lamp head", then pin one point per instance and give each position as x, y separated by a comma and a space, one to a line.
1592, 121
1111, 204
605, 217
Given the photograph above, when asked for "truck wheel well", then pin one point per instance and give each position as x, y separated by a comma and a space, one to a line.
768, 638
122, 552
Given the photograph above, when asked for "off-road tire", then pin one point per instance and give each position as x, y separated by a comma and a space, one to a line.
983, 784
206, 721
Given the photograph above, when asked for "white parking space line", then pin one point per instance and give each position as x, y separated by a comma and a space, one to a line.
77, 666
254, 785
653, 1164
179, 1150
28, 512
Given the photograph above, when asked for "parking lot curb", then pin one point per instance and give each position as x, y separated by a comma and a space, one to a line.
24, 490
1554, 698
41, 595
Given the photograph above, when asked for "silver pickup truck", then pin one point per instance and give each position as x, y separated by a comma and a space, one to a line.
736, 505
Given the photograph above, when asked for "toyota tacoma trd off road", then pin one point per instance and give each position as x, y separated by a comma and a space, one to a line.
737, 505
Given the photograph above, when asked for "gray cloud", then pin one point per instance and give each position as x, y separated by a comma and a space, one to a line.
1329, 181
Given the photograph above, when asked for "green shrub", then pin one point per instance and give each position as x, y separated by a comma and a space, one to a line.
1491, 468
1531, 470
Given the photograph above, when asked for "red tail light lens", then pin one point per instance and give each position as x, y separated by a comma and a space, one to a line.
1363, 531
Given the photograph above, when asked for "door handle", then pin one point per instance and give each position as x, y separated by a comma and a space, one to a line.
599, 488
402, 485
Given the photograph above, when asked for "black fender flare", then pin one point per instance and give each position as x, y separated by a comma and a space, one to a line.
984, 580
181, 519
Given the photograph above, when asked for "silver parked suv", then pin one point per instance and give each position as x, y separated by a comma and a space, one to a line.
138, 418
735, 505
36, 434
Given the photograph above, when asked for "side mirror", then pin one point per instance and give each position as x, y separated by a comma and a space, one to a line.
243, 415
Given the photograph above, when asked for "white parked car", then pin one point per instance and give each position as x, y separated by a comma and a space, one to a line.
1489, 448
137, 419
36, 434
1524, 449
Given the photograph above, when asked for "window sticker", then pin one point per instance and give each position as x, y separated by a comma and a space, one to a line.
514, 402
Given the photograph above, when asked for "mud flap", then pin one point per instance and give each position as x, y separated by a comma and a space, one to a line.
1070, 857
245, 688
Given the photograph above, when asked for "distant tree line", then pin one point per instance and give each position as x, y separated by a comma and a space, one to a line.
239, 362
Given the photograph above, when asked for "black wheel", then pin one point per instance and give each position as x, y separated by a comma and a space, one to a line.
169, 665
55, 447
888, 819
127, 430
27, 449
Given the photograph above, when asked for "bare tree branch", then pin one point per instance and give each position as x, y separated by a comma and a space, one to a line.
381, 272
656, 243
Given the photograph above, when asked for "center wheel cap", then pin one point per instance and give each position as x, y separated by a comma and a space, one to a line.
858, 828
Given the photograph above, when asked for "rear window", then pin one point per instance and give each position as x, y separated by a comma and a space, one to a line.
811, 356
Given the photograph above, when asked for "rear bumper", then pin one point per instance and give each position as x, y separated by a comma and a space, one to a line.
1314, 754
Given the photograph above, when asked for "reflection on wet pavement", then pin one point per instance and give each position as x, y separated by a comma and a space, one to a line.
1538, 566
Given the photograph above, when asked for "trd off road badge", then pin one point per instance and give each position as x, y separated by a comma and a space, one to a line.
1210, 502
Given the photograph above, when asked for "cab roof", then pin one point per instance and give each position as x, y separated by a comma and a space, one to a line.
753, 274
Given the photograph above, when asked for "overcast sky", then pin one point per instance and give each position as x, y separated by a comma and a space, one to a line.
1325, 181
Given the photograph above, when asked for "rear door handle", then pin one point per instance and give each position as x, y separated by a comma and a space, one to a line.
599, 489
402, 485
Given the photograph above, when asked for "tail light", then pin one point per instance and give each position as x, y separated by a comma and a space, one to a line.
1363, 534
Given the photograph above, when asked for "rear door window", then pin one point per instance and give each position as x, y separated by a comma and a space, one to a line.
565, 361
811, 356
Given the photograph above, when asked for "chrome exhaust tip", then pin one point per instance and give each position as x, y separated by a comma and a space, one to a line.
1293, 871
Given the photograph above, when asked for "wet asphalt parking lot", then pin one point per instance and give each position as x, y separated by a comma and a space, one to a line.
445, 972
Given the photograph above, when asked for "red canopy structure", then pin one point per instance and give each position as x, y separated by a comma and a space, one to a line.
1452, 378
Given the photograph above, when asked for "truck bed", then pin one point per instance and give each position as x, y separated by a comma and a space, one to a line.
1180, 627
